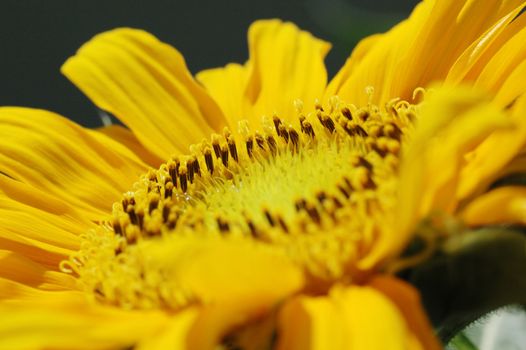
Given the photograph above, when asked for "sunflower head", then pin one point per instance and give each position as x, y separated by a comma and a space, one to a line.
257, 206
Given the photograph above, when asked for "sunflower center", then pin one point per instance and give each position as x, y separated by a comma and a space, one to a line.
316, 188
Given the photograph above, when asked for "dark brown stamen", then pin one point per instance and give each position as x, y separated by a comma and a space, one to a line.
260, 140
154, 203
344, 191
131, 213
217, 147
209, 160
346, 113
269, 217
140, 217
232, 148
173, 170
172, 220
190, 167
252, 227
183, 178
166, 213
222, 225
197, 167
321, 196
250, 146
283, 133
358, 130
313, 213
307, 129
273, 146
392, 130
224, 155
277, 123
361, 161
117, 228
300, 204
294, 138
363, 115
282, 224
168, 189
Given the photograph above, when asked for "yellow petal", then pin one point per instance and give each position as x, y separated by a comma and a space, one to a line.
354, 317
453, 122
508, 61
492, 155
128, 139
236, 281
145, 83
285, 64
85, 169
474, 55
383, 60
38, 225
49, 256
174, 335
407, 299
426, 47
488, 49
218, 270
67, 320
17, 270
513, 87
346, 71
228, 87
504, 205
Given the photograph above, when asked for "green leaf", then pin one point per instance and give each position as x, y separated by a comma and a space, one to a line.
462, 342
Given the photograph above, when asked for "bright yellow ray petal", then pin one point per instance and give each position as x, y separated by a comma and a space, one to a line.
127, 138
17, 269
349, 318
145, 83
36, 239
407, 299
174, 335
486, 161
51, 281
228, 86
38, 225
495, 76
286, 64
453, 122
47, 255
437, 36
235, 280
475, 59
86, 169
512, 87
20, 269
383, 60
488, 50
66, 320
504, 205
345, 72
245, 269
34, 223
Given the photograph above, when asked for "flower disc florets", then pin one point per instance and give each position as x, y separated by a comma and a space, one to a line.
316, 189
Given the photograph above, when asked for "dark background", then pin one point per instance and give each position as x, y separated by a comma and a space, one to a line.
36, 36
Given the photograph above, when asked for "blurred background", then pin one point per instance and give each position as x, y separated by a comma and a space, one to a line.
36, 36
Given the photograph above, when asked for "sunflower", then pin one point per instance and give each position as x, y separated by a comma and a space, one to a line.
258, 206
